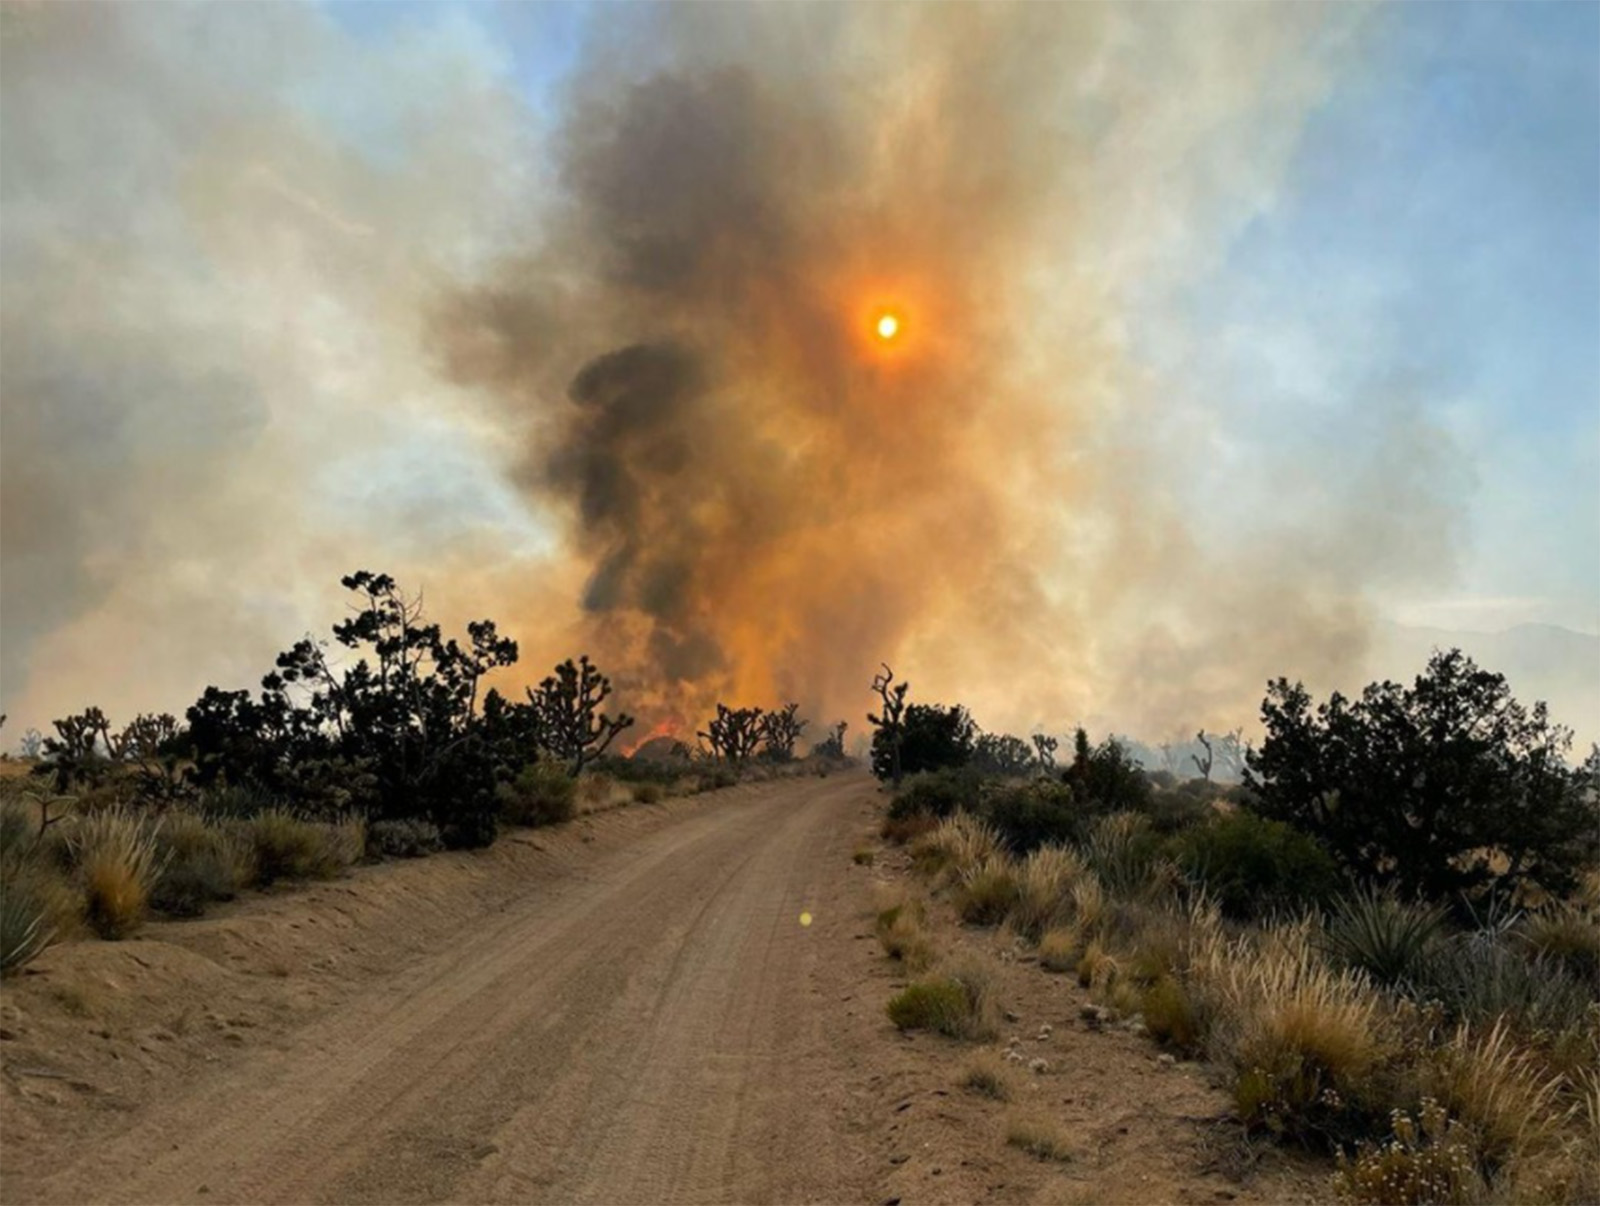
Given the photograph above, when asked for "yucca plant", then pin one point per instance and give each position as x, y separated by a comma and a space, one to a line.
1121, 850
24, 929
1388, 938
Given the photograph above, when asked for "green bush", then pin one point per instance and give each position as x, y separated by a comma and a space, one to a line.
541, 794
1253, 867
402, 839
937, 794
1042, 813
956, 1004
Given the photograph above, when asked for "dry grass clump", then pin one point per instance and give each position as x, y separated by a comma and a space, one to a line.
1042, 1138
1058, 950
903, 933
1044, 884
1500, 1091
956, 846
863, 857
986, 893
987, 1076
118, 864
287, 847
1096, 968
956, 1003
1172, 1015
1567, 934
1303, 1038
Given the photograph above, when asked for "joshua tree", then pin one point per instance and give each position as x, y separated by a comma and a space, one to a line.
150, 745
890, 721
1045, 746
1205, 764
80, 747
780, 729
571, 724
735, 733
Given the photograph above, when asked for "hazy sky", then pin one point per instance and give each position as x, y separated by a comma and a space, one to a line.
1261, 326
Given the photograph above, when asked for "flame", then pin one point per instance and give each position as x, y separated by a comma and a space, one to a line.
670, 727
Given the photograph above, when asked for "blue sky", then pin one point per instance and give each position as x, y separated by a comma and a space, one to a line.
1436, 238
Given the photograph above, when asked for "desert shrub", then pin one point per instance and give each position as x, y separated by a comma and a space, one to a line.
1040, 1137
287, 847
402, 839
902, 830
863, 857
1058, 950
1431, 1161
1178, 809
1388, 938
1253, 867
1106, 778
956, 1004
234, 801
1003, 754
986, 893
1044, 889
118, 864
1445, 788
1479, 979
931, 738
1030, 815
1564, 934
24, 922
19, 830
649, 793
938, 793
541, 794
199, 866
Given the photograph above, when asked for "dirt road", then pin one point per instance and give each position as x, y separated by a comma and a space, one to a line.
651, 1030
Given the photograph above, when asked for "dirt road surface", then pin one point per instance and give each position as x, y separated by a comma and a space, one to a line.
648, 1031
625, 1009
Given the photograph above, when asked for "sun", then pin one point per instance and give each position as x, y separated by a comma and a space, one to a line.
888, 326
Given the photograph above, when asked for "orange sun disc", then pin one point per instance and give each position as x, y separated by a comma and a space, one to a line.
888, 326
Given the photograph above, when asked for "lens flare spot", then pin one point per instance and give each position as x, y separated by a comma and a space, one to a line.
888, 326
805, 919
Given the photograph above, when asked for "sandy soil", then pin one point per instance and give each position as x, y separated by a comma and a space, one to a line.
623, 1010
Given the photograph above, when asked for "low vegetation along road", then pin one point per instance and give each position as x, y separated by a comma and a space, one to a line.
646, 1030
